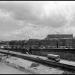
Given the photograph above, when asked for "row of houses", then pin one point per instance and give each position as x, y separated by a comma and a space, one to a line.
55, 41
51, 41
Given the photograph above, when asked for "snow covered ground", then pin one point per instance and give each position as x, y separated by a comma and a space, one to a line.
68, 62
5, 69
29, 66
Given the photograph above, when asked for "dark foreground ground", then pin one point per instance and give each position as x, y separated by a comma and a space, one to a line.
63, 55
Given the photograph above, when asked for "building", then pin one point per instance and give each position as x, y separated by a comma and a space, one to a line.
62, 40
59, 36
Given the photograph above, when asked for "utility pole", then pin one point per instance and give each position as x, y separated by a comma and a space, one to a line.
8, 49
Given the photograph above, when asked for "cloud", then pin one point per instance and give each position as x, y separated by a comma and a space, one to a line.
7, 22
28, 32
38, 13
30, 19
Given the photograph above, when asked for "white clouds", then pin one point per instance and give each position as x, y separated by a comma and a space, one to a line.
7, 22
36, 19
30, 31
34, 12
5, 14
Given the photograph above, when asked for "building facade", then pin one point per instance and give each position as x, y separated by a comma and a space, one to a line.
62, 40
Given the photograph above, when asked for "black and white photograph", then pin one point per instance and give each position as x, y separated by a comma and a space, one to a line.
37, 37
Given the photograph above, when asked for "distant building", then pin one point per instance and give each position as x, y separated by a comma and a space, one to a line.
59, 36
33, 41
62, 40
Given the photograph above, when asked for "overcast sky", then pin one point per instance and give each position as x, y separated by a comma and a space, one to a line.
36, 19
